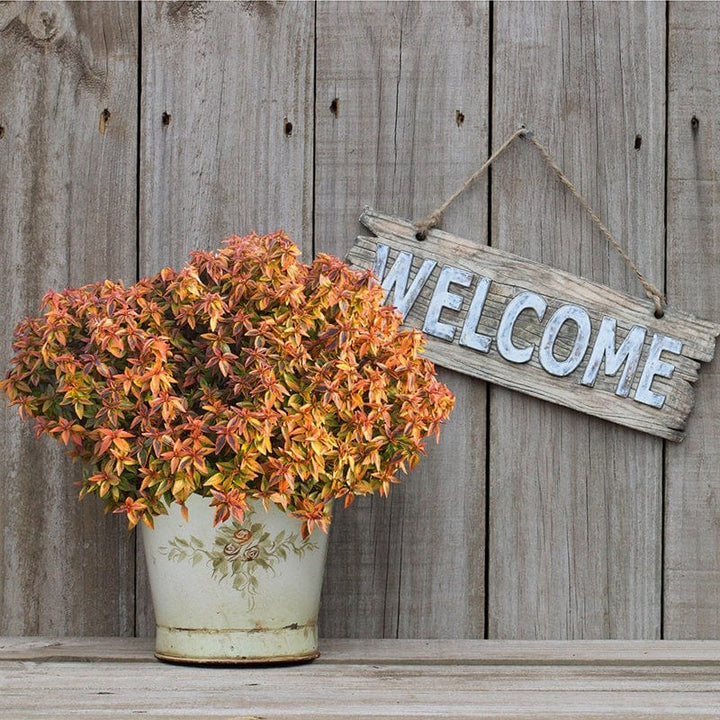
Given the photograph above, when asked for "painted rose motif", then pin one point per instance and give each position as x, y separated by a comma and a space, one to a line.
252, 553
242, 536
232, 558
232, 550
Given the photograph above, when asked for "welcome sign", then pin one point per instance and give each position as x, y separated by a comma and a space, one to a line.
538, 330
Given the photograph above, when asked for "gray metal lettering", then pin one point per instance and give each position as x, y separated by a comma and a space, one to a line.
523, 301
565, 313
654, 366
628, 354
469, 337
398, 275
442, 297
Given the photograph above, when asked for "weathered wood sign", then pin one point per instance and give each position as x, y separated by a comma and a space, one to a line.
538, 330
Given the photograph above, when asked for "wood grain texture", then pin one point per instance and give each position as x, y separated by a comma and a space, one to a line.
373, 651
371, 679
400, 125
395, 113
509, 275
692, 537
227, 134
227, 125
67, 217
576, 504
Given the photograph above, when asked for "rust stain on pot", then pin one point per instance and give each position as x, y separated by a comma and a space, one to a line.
257, 629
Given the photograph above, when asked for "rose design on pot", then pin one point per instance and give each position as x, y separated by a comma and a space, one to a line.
231, 550
252, 553
233, 558
242, 536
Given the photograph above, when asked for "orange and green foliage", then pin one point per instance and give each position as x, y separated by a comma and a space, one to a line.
248, 374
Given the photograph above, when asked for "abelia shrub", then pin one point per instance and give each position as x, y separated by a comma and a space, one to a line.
247, 374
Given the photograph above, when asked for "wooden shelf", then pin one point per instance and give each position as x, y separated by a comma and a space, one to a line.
120, 678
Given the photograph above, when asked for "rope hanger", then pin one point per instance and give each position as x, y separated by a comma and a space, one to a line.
435, 217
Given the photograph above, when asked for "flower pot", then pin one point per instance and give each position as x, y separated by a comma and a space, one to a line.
236, 593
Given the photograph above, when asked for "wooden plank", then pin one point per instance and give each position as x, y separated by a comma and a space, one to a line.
692, 536
423, 681
426, 697
400, 127
576, 504
378, 679
227, 132
487, 283
77, 649
68, 113
597, 653
521, 652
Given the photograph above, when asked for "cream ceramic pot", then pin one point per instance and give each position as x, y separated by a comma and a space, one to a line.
236, 593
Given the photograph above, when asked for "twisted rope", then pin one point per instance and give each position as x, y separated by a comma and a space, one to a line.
435, 217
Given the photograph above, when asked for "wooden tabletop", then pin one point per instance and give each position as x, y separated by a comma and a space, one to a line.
61, 678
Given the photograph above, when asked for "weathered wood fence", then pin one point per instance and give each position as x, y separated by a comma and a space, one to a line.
131, 133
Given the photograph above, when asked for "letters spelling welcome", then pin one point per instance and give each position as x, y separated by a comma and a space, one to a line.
604, 351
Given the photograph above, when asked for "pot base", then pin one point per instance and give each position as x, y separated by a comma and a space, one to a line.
290, 659
255, 646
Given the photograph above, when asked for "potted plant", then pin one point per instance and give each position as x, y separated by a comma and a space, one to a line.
246, 392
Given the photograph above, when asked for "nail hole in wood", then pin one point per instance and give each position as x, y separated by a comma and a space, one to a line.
166, 118
2, 132
288, 127
694, 123
638, 142
459, 118
104, 120
335, 107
